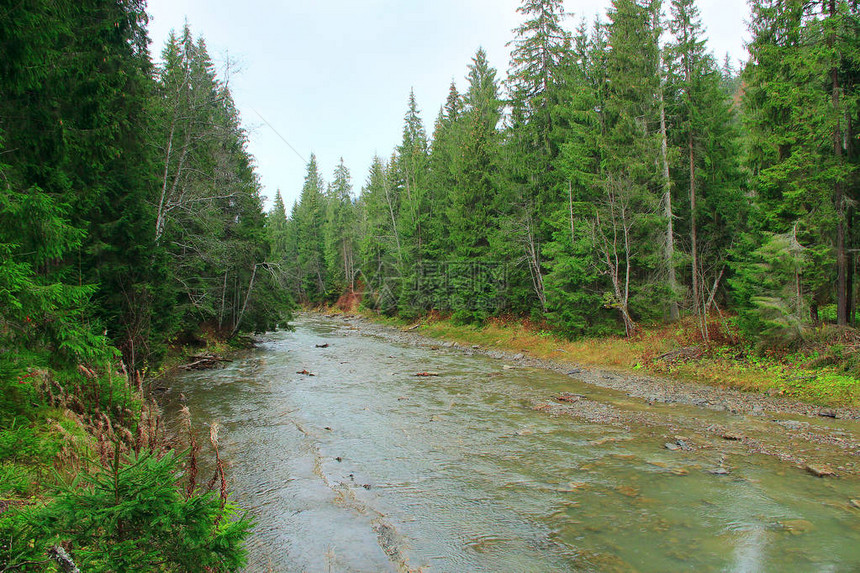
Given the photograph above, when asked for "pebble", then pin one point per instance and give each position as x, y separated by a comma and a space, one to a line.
820, 470
791, 424
682, 443
718, 471
518, 357
671, 447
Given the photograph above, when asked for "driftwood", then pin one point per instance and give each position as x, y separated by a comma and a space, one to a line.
413, 327
204, 362
426, 374
63, 559
305, 372
686, 353
324, 345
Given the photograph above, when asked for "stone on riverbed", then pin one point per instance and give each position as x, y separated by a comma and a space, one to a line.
718, 471
796, 526
820, 470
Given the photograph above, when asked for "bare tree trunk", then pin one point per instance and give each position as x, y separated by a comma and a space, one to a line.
534, 260
694, 252
159, 219
393, 221
608, 248
667, 205
247, 298
570, 208
714, 288
223, 300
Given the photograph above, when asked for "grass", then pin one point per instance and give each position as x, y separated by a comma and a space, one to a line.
819, 373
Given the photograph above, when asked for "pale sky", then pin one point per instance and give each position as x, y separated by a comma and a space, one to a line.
333, 77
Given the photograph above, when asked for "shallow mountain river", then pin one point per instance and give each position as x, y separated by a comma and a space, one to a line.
365, 466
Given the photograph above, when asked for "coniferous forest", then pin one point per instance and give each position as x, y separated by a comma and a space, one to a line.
616, 176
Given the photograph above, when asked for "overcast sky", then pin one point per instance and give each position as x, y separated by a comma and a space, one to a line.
333, 77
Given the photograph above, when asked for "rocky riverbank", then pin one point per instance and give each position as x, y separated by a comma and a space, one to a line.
821, 440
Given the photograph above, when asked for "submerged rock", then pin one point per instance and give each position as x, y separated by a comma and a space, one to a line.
796, 526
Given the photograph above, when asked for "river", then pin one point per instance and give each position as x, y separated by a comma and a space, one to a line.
365, 466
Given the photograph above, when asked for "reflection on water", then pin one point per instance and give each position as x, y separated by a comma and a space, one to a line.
366, 467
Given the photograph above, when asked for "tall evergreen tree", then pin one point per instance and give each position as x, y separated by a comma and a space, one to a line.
310, 221
340, 233
535, 81
475, 162
73, 106
799, 88
627, 231
704, 134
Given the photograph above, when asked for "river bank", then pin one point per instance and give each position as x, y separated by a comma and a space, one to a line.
823, 440
358, 446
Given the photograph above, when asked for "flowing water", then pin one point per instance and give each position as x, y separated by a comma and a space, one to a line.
366, 467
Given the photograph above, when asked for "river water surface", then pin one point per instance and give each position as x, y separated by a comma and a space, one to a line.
366, 467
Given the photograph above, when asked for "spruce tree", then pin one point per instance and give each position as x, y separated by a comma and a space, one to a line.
310, 221
535, 81
704, 133
340, 233
626, 226
799, 88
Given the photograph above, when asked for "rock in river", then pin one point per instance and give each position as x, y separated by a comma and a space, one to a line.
820, 470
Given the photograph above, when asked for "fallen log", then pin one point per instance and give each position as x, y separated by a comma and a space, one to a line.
426, 374
686, 353
203, 362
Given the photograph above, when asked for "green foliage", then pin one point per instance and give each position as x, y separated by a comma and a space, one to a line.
131, 516
770, 287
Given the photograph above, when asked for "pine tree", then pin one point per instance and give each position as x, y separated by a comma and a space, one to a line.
798, 90
704, 134
73, 101
310, 221
475, 163
626, 226
339, 233
408, 169
380, 248
575, 286
535, 81
442, 174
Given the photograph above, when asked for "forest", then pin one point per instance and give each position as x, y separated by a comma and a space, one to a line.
618, 177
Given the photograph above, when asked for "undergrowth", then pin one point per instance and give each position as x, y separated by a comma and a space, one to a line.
86, 465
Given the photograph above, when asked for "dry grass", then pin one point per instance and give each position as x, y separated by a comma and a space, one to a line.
678, 351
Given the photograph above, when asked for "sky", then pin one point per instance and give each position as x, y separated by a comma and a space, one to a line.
333, 77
